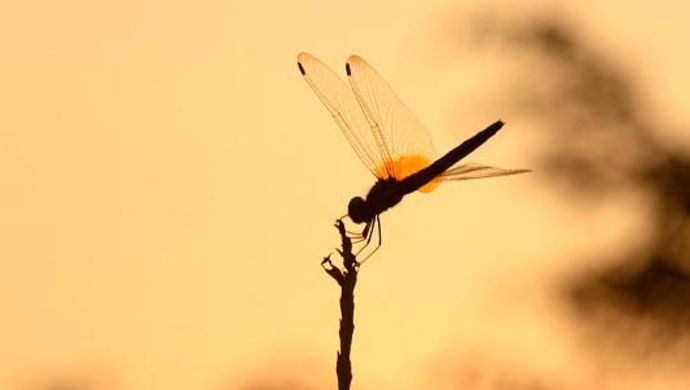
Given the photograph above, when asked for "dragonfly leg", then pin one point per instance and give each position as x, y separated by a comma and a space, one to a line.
357, 240
367, 229
367, 233
378, 227
380, 240
350, 233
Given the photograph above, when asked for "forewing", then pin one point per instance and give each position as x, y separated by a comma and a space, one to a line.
341, 102
396, 130
473, 170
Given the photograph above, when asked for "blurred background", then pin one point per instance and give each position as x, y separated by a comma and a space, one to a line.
169, 184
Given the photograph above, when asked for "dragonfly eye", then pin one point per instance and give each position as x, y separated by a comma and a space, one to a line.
357, 210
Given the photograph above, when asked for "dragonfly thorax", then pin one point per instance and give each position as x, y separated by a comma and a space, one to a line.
385, 194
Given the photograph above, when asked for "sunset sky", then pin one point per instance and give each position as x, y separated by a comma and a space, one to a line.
169, 184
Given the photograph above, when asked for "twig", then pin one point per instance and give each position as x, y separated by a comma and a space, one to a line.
346, 279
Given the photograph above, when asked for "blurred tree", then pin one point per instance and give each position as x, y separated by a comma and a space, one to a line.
602, 141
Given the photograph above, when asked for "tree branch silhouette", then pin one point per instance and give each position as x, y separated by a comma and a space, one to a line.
347, 280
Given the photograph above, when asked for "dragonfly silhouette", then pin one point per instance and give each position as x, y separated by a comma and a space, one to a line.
389, 140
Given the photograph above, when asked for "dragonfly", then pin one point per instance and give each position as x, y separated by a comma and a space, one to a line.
389, 140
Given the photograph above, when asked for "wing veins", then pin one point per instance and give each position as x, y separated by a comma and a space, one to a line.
470, 171
397, 131
341, 102
375, 127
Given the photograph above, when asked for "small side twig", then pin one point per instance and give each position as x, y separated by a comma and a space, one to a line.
346, 279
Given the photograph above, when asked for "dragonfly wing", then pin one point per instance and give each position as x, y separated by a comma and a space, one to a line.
398, 133
473, 170
341, 102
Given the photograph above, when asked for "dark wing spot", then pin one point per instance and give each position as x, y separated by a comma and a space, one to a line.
301, 68
347, 69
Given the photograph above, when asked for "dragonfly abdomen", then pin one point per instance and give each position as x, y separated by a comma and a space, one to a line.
415, 181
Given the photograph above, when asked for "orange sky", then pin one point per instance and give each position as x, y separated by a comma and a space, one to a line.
169, 183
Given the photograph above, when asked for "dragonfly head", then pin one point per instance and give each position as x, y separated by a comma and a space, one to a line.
356, 210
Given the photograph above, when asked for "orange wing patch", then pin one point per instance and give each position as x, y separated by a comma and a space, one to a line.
405, 166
